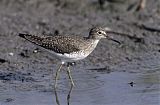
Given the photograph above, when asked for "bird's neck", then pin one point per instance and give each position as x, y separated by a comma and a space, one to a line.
96, 41
93, 43
92, 40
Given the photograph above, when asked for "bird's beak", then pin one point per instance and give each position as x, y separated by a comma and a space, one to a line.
112, 38
108, 36
115, 41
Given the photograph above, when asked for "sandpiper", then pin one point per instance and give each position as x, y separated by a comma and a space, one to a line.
69, 48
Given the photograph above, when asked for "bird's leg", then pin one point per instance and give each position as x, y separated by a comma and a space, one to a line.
69, 74
57, 75
70, 77
56, 95
69, 95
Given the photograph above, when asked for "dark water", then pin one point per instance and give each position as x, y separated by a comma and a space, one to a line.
95, 88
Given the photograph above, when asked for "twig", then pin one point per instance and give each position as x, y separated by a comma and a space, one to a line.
135, 38
142, 5
148, 28
101, 3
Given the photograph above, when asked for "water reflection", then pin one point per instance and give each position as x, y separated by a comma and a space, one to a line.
56, 95
149, 80
91, 88
68, 96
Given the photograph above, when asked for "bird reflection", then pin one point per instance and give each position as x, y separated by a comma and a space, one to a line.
56, 95
68, 96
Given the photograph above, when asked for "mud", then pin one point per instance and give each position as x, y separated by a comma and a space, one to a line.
111, 75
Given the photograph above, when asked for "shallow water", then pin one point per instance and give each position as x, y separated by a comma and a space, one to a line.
95, 88
25, 73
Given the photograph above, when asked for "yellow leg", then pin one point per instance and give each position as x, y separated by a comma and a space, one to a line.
69, 75
57, 75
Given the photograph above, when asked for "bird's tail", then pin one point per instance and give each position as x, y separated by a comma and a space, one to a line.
32, 38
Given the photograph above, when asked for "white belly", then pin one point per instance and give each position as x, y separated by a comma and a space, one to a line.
72, 57
75, 55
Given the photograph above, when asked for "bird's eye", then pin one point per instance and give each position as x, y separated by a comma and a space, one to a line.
99, 32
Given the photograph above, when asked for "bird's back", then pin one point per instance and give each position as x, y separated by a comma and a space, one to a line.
59, 44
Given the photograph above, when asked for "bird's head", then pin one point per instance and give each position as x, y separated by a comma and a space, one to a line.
98, 33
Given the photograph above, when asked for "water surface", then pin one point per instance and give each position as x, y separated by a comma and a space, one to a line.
94, 88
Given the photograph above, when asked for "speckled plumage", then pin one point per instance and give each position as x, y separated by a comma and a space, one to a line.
71, 47
59, 44
68, 48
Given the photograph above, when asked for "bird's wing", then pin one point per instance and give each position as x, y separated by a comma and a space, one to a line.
61, 44
58, 44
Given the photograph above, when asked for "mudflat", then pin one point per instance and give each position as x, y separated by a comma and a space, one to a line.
112, 75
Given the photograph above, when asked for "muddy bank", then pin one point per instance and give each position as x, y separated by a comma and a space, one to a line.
26, 70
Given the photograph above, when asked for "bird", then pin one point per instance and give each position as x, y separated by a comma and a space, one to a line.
69, 48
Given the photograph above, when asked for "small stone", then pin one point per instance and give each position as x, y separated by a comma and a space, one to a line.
131, 84
35, 51
11, 54
9, 99
2, 60
25, 54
